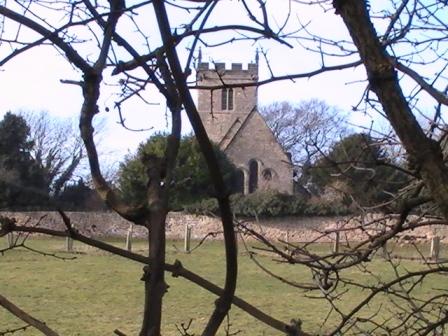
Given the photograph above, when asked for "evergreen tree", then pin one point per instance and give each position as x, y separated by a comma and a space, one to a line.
22, 182
358, 166
79, 197
191, 179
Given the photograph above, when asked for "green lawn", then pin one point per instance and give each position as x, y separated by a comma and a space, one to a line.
97, 292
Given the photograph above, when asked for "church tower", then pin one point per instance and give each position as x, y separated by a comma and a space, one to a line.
230, 117
223, 109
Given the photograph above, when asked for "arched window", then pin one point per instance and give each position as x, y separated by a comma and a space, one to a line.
227, 99
253, 176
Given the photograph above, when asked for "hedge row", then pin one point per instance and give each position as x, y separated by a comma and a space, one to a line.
269, 204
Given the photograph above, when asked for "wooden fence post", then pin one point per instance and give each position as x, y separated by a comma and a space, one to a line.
69, 244
69, 241
187, 238
10, 238
129, 237
435, 248
336, 242
386, 254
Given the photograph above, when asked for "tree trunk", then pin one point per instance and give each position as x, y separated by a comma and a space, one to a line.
154, 276
424, 152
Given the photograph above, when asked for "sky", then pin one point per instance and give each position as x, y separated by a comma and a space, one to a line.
32, 80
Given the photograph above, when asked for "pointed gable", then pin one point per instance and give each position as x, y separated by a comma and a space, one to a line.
232, 121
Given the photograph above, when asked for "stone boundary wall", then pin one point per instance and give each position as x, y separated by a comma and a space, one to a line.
294, 229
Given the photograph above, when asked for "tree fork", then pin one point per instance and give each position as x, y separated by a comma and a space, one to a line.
225, 300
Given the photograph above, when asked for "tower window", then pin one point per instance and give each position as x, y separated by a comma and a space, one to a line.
227, 99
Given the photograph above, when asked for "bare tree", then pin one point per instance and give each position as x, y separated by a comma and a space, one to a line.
400, 46
57, 147
402, 51
167, 75
304, 128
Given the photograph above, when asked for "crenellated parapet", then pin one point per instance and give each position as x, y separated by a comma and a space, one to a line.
238, 68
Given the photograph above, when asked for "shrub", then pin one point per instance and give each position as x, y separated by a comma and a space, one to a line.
191, 180
269, 204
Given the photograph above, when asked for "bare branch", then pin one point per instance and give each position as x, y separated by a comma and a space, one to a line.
439, 96
25, 317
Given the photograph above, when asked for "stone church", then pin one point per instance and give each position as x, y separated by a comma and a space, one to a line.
232, 121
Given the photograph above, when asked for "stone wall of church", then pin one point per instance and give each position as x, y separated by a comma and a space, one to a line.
256, 142
216, 120
241, 131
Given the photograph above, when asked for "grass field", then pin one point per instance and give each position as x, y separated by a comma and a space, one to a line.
97, 293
